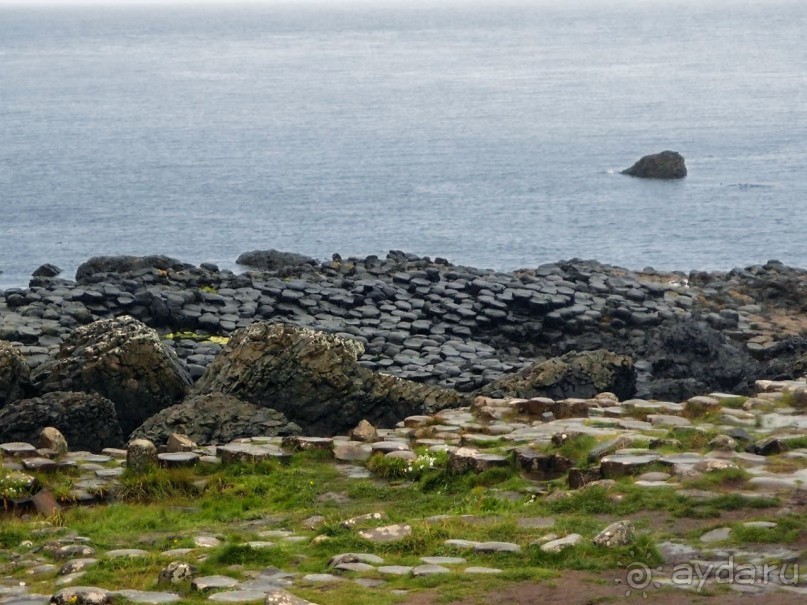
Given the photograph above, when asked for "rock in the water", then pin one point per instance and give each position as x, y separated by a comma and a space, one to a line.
273, 260
126, 264
46, 270
14, 374
314, 379
215, 418
87, 421
574, 375
664, 165
123, 360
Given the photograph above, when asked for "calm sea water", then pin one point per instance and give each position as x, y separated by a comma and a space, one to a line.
484, 133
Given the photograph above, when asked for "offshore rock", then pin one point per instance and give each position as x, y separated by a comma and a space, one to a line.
273, 260
314, 379
664, 165
126, 264
123, 360
87, 421
14, 374
215, 418
579, 375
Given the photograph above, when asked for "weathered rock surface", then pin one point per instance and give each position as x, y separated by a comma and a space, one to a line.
273, 260
122, 360
88, 421
215, 418
314, 379
126, 264
14, 374
573, 375
664, 165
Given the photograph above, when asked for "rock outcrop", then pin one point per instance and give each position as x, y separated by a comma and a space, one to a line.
125, 264
87, 421
664, 165
215, 418
273, 260
314, 379
122, 360
582, 375
14, 374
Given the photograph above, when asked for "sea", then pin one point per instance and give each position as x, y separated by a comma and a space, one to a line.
491, 133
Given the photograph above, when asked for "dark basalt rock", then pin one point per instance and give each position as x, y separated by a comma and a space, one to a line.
126, 264
14, 374
664, 165
314, 378
46, 270
214, 418
273, 260
123, 360
579, 375
87, 421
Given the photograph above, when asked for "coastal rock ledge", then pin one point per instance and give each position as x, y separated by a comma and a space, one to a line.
665, 165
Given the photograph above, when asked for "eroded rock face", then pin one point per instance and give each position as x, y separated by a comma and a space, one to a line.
123, 360
215, 418
315, 380
575, 374
87, 421
664, 165
14, 374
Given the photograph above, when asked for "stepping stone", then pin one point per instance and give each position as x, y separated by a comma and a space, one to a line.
321, 578
281, 597
238, 596
355, 567
207, 583
354, 472
482, 570
443, 560
206, 541
369, 517
109, 473
429, 570
127, 552
71, 578
462, 544
73, 550
265, 584
76, 565
390, 446
307, 444
394, 570
36, 463
490, 547
83, 595
616, 465
18, 449
389, 533
152, 598
556, 546
350, 451
178, 459
247, 452
355, 558
716, 535
775, 484
760, 524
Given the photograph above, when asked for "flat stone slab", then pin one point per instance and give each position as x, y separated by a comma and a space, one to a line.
716, 535
206, 583
560, 544
395, 570
238, 596
482, 570
248, 452
18, 449
349, 451
178, 459
152, 598
462, 544
351, 557
126, 552
354, 567
489, 547
429, 570
281, 597
388, 533
443, 560
322, 578
206, 541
